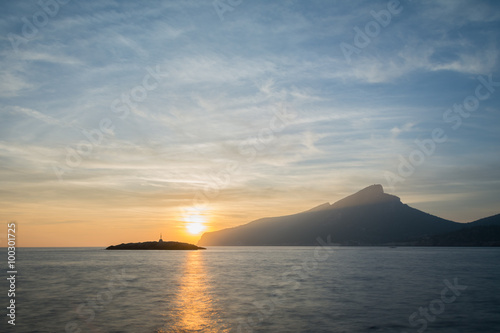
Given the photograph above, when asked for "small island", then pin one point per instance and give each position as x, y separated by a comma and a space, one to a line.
160, 245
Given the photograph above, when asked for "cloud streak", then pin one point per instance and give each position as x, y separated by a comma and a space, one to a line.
221, 85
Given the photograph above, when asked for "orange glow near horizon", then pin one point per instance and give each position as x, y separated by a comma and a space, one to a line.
67, 225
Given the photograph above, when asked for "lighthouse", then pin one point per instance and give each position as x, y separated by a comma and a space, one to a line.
161, 240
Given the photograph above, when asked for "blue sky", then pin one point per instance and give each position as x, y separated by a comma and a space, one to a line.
243, 108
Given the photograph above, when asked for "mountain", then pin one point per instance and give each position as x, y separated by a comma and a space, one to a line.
487, 221
368, 217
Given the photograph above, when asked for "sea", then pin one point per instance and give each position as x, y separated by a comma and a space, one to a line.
257, 289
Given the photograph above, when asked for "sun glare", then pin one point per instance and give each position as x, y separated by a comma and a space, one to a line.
195, 228
194, 220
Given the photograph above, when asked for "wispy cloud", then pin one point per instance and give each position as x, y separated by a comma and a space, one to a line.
222, 84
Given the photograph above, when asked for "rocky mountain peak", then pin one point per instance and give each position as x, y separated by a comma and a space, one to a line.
372, 194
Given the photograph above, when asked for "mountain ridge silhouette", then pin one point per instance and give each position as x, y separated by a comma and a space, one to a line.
367, 217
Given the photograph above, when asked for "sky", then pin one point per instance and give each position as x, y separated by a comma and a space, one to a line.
122, 120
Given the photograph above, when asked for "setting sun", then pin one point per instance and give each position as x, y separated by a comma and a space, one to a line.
195, 220
195, 228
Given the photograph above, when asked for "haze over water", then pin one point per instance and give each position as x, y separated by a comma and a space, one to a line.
260, 289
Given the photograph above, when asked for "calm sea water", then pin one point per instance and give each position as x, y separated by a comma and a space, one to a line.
258, 289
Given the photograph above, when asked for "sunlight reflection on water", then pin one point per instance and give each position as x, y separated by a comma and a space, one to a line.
195, 309
222, 290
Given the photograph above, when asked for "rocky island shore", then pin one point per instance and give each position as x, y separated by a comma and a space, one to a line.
155, 246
